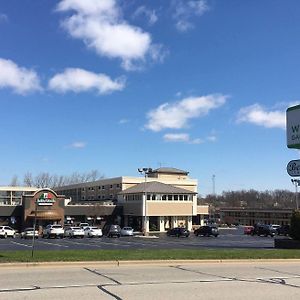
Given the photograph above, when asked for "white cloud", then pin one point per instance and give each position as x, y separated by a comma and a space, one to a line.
79, 80
100, 25
211, 138
185, 10
78, 145
176, 115
257, 115
3, 18
123, 121
20, 79
151, 15
182, 138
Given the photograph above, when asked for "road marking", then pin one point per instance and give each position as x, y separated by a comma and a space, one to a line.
21, 244
53, 244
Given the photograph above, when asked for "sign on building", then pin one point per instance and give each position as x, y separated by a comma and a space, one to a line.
293, 127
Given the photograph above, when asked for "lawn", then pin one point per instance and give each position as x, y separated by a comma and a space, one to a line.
169, 254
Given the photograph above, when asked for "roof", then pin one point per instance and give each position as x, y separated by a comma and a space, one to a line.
169, 171
155, 187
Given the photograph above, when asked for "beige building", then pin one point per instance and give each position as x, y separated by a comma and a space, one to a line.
164, 198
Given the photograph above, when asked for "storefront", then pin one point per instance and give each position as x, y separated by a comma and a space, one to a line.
43, 207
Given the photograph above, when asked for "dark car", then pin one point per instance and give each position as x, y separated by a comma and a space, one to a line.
207, 231
112, 231
266, 230
283, 230
178, 231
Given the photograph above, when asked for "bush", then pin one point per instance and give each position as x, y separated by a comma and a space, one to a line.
295, 225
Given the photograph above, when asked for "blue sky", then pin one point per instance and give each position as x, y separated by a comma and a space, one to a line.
117, 85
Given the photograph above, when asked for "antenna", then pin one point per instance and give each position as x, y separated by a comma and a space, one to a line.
214, 184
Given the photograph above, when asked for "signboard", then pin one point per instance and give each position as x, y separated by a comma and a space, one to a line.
293, 127
45, 199
293, 168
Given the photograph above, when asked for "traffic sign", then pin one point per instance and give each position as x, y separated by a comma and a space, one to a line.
293, 168
293, 127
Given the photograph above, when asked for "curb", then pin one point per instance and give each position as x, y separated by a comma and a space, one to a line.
142, 263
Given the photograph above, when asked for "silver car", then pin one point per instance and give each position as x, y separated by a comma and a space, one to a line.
127, 231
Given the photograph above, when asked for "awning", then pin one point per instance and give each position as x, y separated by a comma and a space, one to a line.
45, 215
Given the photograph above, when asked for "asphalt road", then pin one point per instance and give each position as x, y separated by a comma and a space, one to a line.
226, 280
228, 238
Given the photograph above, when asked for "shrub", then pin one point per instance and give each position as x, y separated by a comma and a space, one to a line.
295, 225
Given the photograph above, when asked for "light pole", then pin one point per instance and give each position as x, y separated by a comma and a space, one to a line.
145, 171
296, 182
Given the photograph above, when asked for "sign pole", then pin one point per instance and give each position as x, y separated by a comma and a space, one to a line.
34, 225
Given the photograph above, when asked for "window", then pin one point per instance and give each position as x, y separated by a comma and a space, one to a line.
180, 197
164, 197
185, 197
153, 197
170, 197
176, 197
148, 197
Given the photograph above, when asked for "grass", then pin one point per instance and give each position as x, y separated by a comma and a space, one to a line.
160, 254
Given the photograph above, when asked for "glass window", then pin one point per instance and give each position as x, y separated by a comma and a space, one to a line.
153, 197
185, 197
164, 197
170, 197
148, 197
180, 197
176, 197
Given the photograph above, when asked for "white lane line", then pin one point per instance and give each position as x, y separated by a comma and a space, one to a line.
21, 244
53, 244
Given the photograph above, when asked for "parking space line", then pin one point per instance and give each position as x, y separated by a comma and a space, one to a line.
21, 244
53, 244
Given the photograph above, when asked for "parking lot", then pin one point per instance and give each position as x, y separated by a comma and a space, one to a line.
228, 238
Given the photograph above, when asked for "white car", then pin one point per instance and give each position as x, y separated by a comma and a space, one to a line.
73, 232
55, 230
84, 225
6, 231
127, 231
92, 231
29, 232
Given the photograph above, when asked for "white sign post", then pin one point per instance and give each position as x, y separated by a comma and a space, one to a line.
293, 127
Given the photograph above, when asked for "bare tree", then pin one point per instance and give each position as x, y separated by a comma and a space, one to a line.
28, 181
14, 181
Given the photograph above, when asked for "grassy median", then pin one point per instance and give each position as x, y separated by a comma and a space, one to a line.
160, 254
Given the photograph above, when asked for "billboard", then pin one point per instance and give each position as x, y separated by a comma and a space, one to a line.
293, 127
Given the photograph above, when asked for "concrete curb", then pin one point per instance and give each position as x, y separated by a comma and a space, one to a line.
121, 263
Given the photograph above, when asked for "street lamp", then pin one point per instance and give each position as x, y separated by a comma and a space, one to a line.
145, 171
296, 182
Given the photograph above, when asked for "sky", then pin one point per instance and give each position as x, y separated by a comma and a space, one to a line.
199, 85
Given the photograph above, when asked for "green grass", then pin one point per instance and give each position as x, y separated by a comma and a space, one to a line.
168, 254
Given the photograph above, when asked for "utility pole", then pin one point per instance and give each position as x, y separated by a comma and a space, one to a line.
214, 184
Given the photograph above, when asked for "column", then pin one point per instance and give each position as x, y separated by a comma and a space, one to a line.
189, 222
161, 221
174, 222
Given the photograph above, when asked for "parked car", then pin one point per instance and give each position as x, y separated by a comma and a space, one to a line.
266, 230
55, 231
84, 225
207, 231
6, 231
178, 231
283, 230
112, 231
73, 232
93, 231
248, 229
127, 231
29, 233
275, 226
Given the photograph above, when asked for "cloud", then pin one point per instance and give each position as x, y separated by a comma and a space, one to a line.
181, 137
185, 10
20, 79
100, 25
256, 114
77, 145
176, 115
79, 80
3, 18
123, 121
142, 11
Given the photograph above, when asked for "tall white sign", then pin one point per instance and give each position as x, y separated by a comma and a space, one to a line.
293, 127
